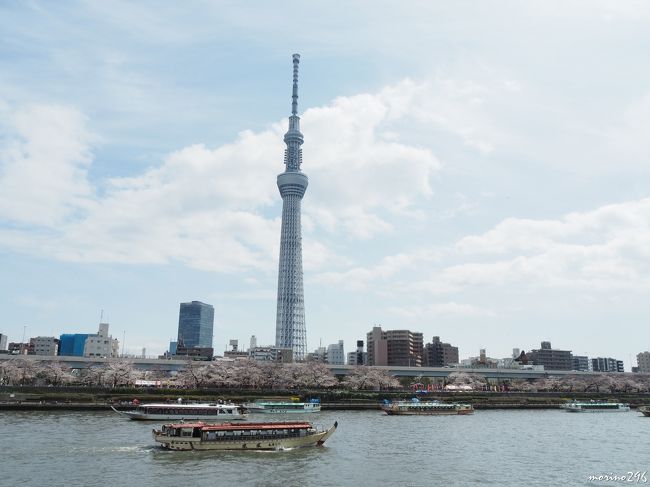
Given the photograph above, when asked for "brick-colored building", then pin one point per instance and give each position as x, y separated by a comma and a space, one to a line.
394, 347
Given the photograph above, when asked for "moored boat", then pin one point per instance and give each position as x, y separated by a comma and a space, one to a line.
595, 407
186, 411
645, 410
283, 407
428, 408
241, 436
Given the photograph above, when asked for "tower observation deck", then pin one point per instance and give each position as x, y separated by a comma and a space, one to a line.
290, 330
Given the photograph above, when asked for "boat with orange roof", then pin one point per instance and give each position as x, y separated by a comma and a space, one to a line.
241, 436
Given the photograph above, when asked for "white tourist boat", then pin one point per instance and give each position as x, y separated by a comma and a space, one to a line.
425, 408
645, 410
186, 411
241, 436
283, 407
595, 407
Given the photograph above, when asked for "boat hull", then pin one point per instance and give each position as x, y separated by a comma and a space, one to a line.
428, 413
196, 444
279, 408
283, 411
578, 410
418, 408
174, 417
145, 416
645, 410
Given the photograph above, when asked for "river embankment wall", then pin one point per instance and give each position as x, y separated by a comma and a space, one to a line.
97, 399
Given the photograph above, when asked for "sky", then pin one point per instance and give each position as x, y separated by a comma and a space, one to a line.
478, 171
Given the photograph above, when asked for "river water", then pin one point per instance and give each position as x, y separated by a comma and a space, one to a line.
521, 447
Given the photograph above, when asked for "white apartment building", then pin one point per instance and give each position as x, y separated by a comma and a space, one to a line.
335, 354
102, 344
44, 346
643, 362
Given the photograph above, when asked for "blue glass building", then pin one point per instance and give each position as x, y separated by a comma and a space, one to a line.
195, 323
72, 344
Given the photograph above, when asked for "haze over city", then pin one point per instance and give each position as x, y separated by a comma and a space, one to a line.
475, 174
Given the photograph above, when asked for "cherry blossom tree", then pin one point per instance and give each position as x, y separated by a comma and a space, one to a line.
93, 375
20, 371
120, 373
55, 373
317, 374
194, 375
249, 373
370, 378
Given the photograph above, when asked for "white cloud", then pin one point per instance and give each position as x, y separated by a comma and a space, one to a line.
205, 207
43, 165
607, 249
436, 310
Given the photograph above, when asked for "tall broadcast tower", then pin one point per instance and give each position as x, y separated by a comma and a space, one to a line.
290, 331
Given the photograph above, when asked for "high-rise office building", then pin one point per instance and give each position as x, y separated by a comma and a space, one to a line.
195, 325
290, 329
3, 342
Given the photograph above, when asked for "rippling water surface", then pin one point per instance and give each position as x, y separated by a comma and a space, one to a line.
533, 448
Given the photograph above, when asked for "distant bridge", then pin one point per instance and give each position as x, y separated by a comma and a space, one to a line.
164, 365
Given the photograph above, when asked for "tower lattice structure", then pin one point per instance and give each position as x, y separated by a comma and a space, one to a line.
290, 329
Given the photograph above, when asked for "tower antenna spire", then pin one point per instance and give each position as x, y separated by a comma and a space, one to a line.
294, 96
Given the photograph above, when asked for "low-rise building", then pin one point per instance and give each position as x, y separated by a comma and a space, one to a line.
318, 355
643, 362
358, 357
194, 353
18, 348
606, 364
72, 344
44, 346
271, 354
581, 363
551, 358
102, 344
439, 354
335, 354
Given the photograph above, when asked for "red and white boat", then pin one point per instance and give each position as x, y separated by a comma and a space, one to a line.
241, 436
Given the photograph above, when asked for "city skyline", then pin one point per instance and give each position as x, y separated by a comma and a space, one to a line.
463, 185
